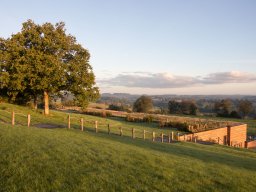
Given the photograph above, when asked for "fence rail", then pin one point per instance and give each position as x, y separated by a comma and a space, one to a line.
105, 128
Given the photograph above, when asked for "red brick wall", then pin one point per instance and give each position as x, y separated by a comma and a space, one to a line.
215, 135
238, 135
250, 144
233, 136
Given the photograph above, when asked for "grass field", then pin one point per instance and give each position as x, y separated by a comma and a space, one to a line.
39, 159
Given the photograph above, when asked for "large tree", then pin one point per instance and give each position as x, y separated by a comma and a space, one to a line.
44, 60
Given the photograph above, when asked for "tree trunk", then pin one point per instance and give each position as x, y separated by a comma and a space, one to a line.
35, 102
46, 103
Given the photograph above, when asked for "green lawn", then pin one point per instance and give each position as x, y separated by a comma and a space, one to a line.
61, 119
37, 159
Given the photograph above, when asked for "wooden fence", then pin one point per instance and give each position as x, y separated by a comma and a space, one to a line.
99, 127
124, 131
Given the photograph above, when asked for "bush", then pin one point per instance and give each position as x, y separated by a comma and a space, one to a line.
68, 103
130, 118
182, 126
235, 114
148, 118
98, 113
119, 107
106, 114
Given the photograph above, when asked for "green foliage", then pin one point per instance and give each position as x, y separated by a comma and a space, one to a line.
139, 119
68, 103
120, 107
143, 104
181, 126
148, 118
131, 118
223, 108
183, 107
43, 58
234, 114
245, 107
98, 113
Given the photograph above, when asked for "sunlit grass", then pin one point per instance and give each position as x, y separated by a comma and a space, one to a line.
37, 159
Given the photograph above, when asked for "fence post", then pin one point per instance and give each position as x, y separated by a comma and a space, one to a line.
153, 136
96, 126
121, 131
68, 121
133, 133
169, 138
172, 136
144, 134
162, 137
82, 124
195, 139
28, 120
13, 118
178, 136
108, 128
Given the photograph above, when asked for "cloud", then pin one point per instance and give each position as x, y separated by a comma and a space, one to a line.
229, 77
168, 80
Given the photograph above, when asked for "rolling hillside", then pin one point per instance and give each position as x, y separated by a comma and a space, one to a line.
59, 159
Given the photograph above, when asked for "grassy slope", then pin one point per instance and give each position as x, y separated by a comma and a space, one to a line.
68, 160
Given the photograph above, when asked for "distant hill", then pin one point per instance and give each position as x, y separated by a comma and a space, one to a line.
162, 100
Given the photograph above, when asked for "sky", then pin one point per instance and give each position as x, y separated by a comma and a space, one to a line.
186, 47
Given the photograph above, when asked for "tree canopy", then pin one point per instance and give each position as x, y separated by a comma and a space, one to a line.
245, 107
44, 60
143, 104
223, 108
185, 107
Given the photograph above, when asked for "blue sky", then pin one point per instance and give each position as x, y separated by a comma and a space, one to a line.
155, 46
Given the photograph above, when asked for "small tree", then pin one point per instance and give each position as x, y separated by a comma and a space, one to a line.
183, 107
174, 107
245, 107
193, 110
223, 108
143, 104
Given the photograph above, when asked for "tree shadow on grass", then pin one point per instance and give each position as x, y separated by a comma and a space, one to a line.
192, 151
48, 126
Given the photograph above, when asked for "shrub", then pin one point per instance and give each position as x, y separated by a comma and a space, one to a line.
182, 126
130, 118
148, 118
68, 103
98, 113
106, 114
